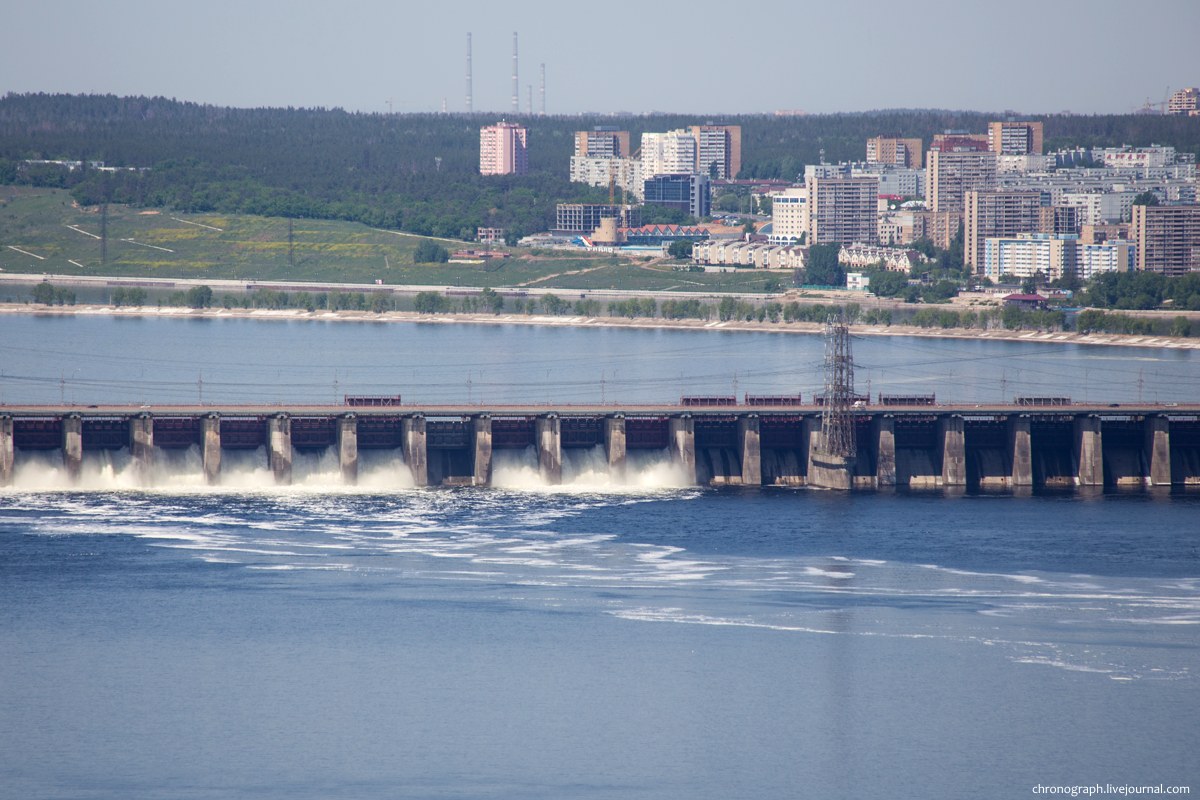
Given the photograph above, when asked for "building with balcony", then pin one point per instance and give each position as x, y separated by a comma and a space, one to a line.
896, 151
950, 174
718, 150
1015, 138
1167, 238
686, 191
502, 149
842, 210
996, 214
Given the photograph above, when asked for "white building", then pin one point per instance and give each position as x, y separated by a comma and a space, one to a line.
1115, 255
1097, 208
670, 153
625, 173
1026, 255
789, 215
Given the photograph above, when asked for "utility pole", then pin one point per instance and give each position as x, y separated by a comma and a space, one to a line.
104, 232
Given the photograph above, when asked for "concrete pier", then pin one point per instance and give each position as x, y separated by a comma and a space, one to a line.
415, 448
72, 445
141, 445
954, 450
210, 447
7, 450
548, 430
683, 443
1158, 450
279, 447
482, 435
750, 441
885, 459
1089, 451
347, 444
614, 444
1022, 452
812, 440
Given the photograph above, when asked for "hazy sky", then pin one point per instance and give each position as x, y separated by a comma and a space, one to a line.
696, 56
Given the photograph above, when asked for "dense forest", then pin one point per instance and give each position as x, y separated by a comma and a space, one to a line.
416, 172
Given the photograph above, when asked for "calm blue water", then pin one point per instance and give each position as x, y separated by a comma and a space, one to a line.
591, 641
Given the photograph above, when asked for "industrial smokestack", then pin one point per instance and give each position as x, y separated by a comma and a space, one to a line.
516, 93
543, 90
470, 100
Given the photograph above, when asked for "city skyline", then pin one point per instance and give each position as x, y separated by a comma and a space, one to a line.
377, 57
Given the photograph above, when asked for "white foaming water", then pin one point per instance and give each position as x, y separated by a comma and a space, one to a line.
587, 470
176, 471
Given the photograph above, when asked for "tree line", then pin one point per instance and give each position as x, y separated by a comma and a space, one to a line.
418, 172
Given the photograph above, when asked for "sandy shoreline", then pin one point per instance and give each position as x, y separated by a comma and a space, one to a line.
804, 328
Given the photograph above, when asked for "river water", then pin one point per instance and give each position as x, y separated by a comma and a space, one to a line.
601, 639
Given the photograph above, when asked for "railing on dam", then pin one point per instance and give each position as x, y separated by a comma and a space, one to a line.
903, 441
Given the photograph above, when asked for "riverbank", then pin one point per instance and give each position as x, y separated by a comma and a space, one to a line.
803, 328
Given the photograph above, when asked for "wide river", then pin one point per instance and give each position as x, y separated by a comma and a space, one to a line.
601, 639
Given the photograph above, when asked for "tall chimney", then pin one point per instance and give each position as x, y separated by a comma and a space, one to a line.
470, 101
543, 89
516, 98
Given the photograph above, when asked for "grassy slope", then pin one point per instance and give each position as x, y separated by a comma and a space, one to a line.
256, 248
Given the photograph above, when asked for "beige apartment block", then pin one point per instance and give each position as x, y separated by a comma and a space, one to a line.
1015, 138
893, 150
997, 214
1167, 238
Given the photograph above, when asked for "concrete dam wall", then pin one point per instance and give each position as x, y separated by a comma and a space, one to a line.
1002, 448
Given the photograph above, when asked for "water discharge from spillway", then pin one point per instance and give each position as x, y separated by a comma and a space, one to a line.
181, 471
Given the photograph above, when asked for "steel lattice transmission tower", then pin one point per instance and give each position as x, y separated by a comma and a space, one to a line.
837, 423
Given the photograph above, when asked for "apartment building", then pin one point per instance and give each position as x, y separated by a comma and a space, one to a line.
1028, 254
789, 215
1167, 238
1185, 101
718, 150
950, 174
670, 153
896, 151
624, 173
602, 142
502, 149
1015, 138
1116, 255
997, 214
842, 210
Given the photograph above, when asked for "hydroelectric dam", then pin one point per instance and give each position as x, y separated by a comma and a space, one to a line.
716, 441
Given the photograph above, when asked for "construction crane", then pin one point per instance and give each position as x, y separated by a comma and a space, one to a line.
1156, 108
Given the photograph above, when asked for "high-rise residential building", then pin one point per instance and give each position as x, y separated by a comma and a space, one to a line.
718, 150
624, 174
670, 153
789, 215
959, 140
1026, 255
843, 210
1060, 220
1185, 101
1167, 238
997, 214
602, 142
939, 227
893, 150
502, 149
951, 173
685, 191
1015, 138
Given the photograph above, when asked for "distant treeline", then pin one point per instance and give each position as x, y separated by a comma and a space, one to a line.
419, 172
727, 309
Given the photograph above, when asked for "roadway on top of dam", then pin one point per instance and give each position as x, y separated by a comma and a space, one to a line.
588, 409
